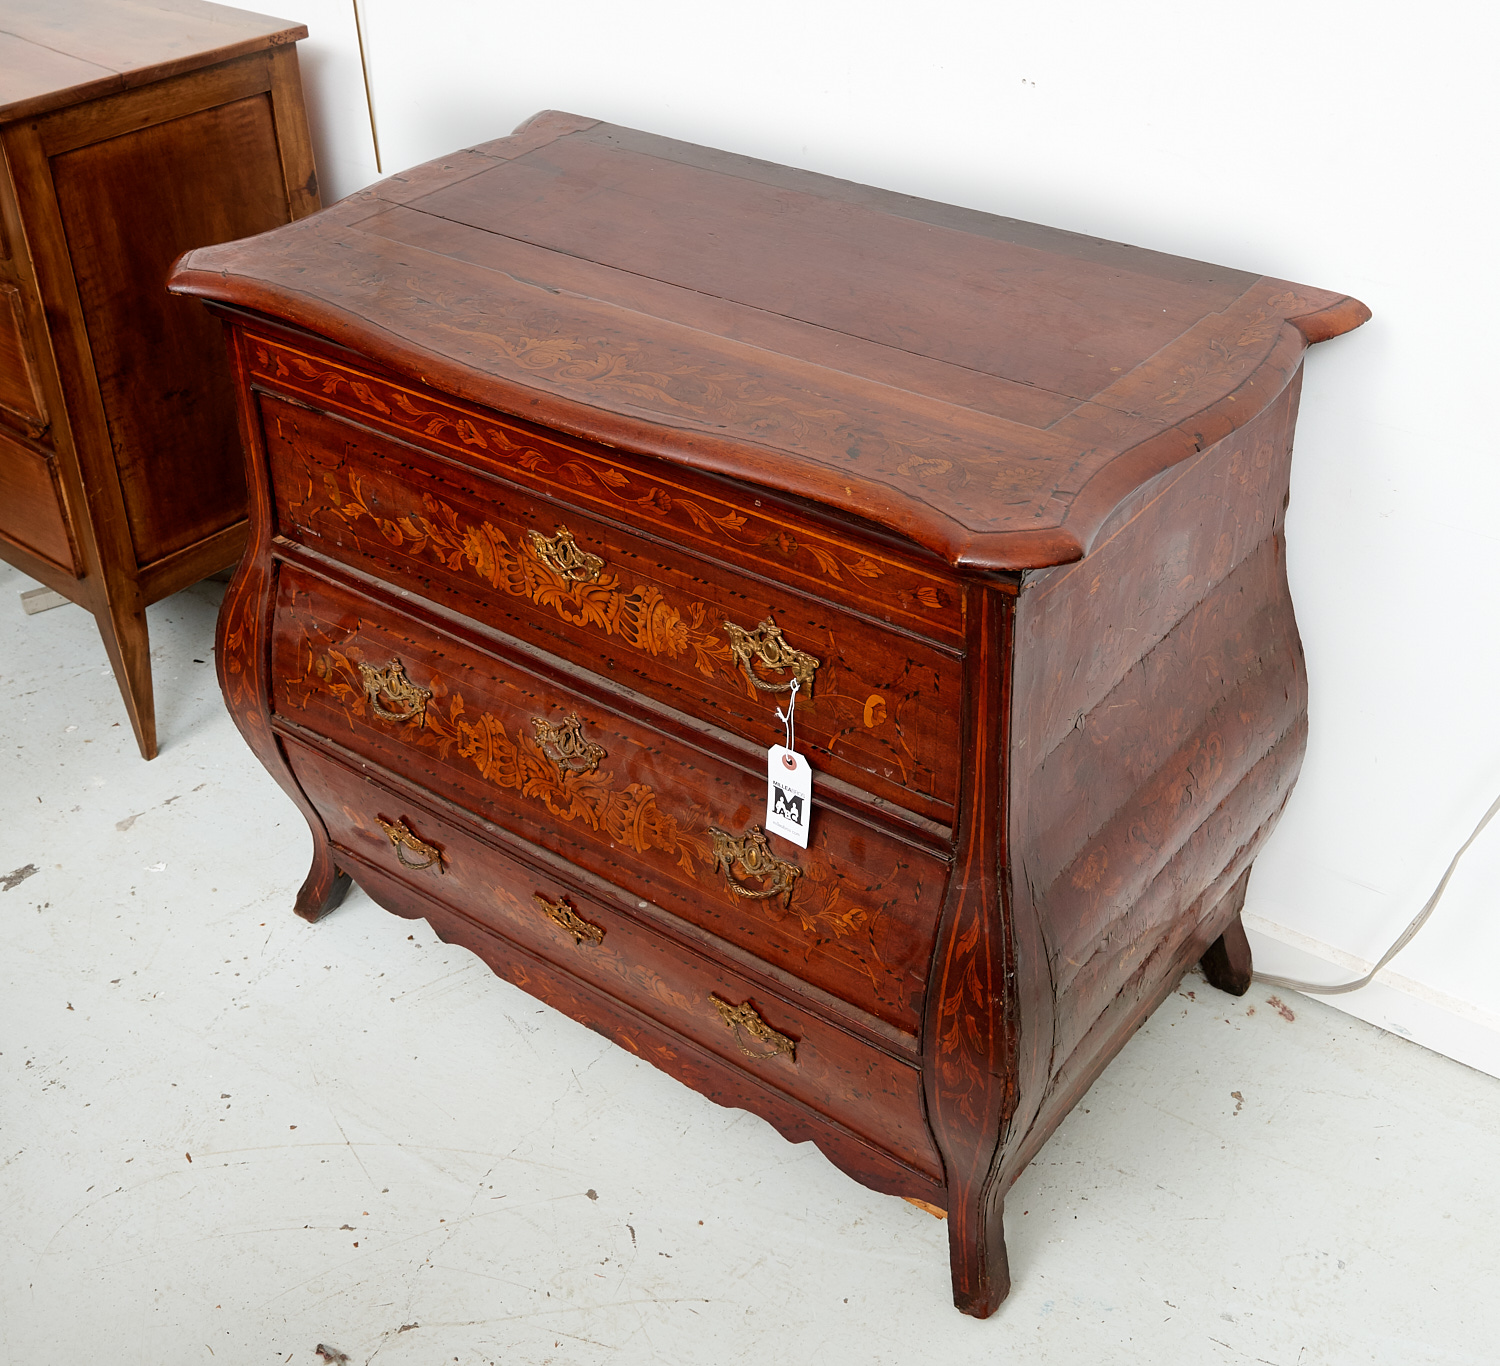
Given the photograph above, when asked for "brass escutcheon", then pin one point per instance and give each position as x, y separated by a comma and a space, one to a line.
749, 1019
766, 645
752, 851
560, 553
564, 915
401, 839
565, 746
392, 683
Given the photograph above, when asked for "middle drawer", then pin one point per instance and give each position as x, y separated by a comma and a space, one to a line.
855, 913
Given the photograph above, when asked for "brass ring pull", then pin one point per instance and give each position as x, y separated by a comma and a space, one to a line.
752, 851
765, 645
560, 553
402, 839
407, 701
746, 1017
565, 746
564, 915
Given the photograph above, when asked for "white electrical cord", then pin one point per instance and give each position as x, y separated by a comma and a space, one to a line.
1407, 935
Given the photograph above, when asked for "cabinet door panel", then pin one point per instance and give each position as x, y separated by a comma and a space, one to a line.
130, 205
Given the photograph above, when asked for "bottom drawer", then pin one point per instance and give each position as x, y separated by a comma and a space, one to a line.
30, 504
863, 1089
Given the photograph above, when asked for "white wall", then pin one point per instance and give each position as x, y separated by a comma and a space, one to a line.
1339, 145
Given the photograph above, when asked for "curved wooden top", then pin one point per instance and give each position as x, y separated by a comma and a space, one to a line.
988, 388
61, 52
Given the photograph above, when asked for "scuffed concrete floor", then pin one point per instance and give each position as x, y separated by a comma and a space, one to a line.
229, 1137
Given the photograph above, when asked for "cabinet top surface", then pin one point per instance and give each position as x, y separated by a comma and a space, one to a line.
988, 388
55, 53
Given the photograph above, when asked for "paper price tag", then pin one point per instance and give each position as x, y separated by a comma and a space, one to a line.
788, 794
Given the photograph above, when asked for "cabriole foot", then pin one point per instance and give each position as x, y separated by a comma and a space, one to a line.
976, 1252
1227, 963
325, 887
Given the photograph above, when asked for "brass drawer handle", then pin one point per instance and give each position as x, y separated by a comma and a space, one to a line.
752, 851
746, 1017
402, 839
560, 553
766, 646
565, 746
408, 700
563, 914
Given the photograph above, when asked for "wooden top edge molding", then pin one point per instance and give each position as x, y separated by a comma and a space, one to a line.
990, 390
59, 53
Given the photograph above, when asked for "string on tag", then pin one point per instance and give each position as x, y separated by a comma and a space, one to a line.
786, 717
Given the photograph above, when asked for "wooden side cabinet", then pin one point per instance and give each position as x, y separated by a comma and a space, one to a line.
131, 133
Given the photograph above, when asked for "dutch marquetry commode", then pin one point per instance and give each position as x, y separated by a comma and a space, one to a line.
571, 452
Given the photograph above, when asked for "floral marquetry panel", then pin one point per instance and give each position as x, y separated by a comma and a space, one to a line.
876, 710
921, 599
861, 910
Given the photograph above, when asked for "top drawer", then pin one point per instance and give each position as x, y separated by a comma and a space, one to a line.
728, 524
875, 707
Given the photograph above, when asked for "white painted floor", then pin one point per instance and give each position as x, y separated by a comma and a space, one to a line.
401, 1158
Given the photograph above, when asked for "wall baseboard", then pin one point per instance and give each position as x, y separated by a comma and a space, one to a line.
1428, 1017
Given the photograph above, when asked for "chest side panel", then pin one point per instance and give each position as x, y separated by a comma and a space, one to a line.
1160, 720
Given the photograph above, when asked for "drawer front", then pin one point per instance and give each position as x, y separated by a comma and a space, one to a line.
855, 913
874, 707
20, 386
773, 540
867, 1090
31, 510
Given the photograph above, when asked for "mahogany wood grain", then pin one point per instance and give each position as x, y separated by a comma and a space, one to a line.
736, 383
131, 132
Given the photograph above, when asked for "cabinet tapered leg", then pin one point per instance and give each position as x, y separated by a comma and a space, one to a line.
129, 650
1227, 963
